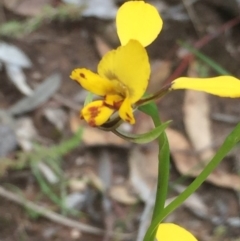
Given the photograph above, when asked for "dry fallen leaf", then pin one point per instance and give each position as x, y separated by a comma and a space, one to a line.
18, 78
197, 123
92, 178
160, 71
11, 54
101, 45
188, 164
122, 194
57, 116
26, 133
194, 203
196, 118
40, 95
47, 172
144, 169
77, 185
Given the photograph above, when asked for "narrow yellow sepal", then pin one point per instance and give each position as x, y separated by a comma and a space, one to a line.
91, 81
223, 86
138, 20
126, 111
173, 232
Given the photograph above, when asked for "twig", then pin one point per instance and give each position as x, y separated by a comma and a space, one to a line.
55, 217
48, 213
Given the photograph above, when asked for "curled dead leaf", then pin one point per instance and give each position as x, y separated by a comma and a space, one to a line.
197, 123
144, 169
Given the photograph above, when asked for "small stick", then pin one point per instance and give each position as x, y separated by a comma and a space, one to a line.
57, 218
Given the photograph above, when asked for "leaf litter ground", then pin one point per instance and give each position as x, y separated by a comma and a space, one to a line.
104, 163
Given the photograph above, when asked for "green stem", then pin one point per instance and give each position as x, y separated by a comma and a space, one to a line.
232, 139
163, 165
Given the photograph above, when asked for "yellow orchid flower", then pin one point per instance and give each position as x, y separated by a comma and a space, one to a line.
138, 20
223, 86
173, 232
123, 73
121, 80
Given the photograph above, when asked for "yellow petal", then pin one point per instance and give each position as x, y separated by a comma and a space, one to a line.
92, 82
138, 20
129, 65
96, 113
126, 112
224, 86
173, 232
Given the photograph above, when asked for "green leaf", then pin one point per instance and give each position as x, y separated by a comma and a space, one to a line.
143, 138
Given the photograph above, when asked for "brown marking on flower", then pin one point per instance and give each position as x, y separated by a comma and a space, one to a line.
116, 105
94, 111
109, 106
128, 116
82, 75
128, 120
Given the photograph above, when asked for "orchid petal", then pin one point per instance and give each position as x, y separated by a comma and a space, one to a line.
223, 86
138, 20
173, 232
128, 67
